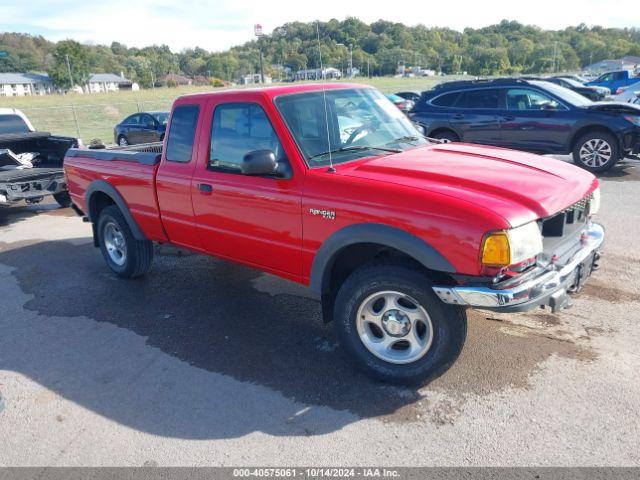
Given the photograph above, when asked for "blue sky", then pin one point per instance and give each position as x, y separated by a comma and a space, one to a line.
217, 25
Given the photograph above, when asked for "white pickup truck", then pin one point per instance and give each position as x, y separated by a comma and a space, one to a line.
31, 161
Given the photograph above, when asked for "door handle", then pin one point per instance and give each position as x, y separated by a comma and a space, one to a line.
458, 116
508, 118
205, 188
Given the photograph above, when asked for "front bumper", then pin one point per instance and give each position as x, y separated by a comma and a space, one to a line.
549, 288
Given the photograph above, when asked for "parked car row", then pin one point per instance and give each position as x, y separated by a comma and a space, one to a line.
535, 115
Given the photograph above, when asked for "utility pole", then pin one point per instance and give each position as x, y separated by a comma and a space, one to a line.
257, 30
351, 60
69, 70
261, 68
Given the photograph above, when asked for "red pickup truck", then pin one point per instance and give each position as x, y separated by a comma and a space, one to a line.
332, 186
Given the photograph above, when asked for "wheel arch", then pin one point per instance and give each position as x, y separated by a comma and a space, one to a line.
100, 194
593, 128
435, 131
355, 245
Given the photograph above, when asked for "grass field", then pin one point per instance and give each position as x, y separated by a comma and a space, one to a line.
92, 116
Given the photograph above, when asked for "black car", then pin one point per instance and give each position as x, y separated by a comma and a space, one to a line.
143, 127
413, 96
531, 115
592, 93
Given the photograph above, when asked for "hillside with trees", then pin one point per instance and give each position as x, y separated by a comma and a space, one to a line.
506, 48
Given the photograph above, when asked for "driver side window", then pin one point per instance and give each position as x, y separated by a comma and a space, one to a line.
526, 99
237, 129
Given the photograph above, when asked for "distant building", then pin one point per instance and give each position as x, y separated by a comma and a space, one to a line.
20, 84
254, 78
328, 73
625, 63
108, 82
175, 80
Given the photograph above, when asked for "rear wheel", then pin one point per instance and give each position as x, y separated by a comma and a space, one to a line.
393, 325
596, 151
125, 256
123, 141
446, 136
63, 199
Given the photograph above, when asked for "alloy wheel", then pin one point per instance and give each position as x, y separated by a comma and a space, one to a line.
115, 244
394, 327
595, 152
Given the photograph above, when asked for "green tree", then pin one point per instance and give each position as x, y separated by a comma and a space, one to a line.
70, 64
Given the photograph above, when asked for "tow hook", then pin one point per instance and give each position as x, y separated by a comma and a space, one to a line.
596, 258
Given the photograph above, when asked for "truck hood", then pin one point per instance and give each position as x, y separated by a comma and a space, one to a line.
520, 187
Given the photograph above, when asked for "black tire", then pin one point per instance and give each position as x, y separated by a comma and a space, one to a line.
447, 135
63, 199
123, 141
138, 253
595, 165
449, 322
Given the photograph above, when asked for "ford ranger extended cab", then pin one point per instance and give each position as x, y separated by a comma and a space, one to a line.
332, 186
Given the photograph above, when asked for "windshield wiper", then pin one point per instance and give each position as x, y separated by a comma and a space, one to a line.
354, 148
414, 138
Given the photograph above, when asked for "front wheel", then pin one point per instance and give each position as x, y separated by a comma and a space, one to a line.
393, 325
596, 151
123, 141
125, 256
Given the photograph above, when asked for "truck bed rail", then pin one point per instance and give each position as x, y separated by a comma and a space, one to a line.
146, 154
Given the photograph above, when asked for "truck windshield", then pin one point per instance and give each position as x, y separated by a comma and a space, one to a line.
346, 124
12, 124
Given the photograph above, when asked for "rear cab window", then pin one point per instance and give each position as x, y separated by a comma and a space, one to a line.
182, 132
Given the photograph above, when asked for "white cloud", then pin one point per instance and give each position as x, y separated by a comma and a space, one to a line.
216, 26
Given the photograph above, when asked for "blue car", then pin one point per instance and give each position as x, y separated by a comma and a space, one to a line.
143, 127
531, 115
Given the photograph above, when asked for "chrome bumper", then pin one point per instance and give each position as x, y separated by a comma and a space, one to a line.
549, 288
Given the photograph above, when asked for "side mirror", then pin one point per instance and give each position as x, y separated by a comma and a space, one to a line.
547, 107
259, 162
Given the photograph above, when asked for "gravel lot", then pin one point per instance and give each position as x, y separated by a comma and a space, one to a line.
209, 363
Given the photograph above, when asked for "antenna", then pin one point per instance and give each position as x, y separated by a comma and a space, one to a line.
324, 98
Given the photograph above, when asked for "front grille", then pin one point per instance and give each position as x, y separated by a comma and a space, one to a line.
567, 220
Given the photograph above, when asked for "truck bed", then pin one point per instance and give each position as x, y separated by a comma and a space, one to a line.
131, 171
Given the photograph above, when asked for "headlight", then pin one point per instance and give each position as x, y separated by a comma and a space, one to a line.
513, 246
594, 205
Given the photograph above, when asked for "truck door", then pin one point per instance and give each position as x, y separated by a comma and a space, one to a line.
250, 219
173, 180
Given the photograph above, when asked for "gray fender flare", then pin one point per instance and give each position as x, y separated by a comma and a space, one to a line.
108, 189
380, 234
